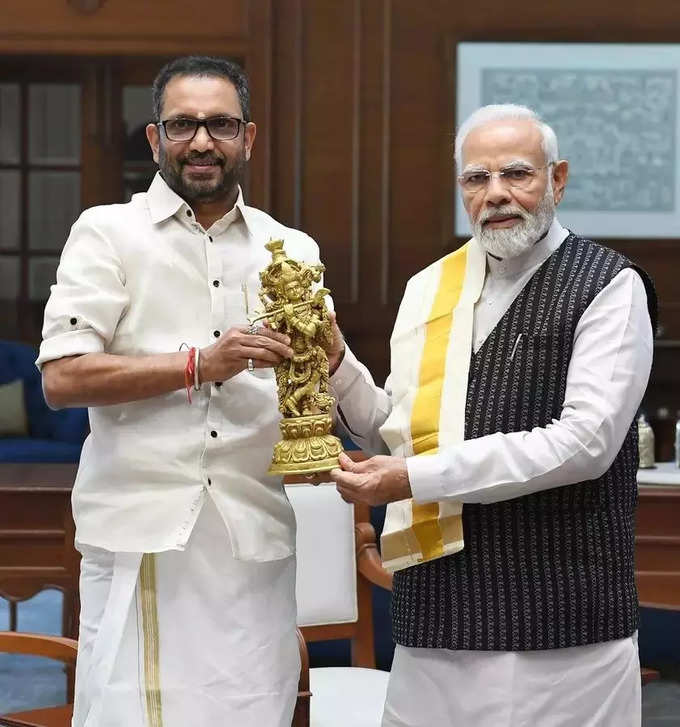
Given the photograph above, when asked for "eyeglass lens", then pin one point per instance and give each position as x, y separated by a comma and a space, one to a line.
518, 177
220, 128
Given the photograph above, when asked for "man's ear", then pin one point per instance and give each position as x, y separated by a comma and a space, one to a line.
560, 176
249, 138
154, 138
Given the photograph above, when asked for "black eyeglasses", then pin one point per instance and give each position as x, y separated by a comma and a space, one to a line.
219, 128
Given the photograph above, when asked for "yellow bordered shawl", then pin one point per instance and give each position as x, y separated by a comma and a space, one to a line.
431, 347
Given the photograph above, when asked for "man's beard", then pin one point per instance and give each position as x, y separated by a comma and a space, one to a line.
510, 242
201, 190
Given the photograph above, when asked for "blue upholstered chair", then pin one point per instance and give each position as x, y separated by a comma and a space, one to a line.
54, 436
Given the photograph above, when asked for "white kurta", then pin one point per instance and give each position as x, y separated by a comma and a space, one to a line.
607, 377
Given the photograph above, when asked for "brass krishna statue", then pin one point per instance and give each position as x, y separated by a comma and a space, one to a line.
291, 307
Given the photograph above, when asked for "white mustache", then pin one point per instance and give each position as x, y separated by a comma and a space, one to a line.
503, 212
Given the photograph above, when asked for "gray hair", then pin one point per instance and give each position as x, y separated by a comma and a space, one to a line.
497, 112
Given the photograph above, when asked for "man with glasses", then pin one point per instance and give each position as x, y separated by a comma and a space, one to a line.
188, 570
516, 405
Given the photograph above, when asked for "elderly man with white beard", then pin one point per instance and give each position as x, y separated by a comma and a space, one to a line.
518, 363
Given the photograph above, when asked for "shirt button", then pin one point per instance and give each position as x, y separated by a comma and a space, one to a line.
218, 383
189, 213
213, 434
210, 238
209, 481
216, 283
216, 334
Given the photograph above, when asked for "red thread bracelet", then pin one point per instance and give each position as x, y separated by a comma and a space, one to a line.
189, 372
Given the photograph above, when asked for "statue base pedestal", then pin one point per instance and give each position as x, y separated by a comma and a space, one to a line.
307, 446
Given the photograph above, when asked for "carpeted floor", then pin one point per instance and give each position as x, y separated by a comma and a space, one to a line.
28, 682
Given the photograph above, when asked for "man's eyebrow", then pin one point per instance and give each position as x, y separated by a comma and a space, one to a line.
474, 168
514, 164
517, 163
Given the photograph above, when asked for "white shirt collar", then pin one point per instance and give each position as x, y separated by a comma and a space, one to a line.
165, 202
533, 257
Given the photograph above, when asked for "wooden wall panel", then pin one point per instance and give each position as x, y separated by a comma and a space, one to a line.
355, 106
331, 108
121, 26
406, 111
287, 117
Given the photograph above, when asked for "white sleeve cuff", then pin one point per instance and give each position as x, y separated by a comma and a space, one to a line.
427, 475
69, 343
346, 374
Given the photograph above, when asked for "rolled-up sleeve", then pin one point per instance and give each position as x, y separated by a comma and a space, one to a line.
89, 297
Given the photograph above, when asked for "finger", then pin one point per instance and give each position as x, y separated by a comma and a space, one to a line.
279, 347
345, 497
366, 465
261, 357
346, 479
346, 462
270, 333
273, 344
335, 473
259, 343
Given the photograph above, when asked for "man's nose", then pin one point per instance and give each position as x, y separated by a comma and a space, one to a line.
497, 192
202, 141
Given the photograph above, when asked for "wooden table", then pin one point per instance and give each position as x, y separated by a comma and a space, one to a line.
36, 536
657, 537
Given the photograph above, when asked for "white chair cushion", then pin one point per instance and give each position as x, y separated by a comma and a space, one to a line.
347, 696
326, 588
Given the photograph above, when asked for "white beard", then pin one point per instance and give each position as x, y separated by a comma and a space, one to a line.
510, 242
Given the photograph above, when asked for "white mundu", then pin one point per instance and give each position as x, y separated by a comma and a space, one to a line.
186, 637
571, 687
188, 573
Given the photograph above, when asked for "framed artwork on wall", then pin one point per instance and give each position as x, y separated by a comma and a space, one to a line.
616, 111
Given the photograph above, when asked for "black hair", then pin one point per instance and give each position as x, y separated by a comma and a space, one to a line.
201, 66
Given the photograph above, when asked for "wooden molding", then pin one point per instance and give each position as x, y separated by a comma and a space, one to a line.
86, 6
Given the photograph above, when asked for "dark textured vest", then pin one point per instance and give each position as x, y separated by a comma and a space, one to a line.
551, 569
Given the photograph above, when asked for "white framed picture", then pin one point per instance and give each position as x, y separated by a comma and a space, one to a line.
615, 110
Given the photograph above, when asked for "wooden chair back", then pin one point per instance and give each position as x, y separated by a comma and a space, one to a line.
59, 648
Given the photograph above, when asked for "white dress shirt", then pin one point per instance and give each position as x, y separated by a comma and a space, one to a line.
143, 278
607, 377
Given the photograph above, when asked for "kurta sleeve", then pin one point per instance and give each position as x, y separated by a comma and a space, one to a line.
608, 372
362, 406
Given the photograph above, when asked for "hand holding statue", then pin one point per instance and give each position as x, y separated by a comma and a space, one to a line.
229, 355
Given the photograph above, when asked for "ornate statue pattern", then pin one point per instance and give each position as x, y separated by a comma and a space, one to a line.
291, 308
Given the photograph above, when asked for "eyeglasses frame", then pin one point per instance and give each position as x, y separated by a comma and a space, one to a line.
204, 124
499, 174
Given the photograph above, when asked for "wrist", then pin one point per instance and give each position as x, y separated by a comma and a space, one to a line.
205, 369
334, 361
